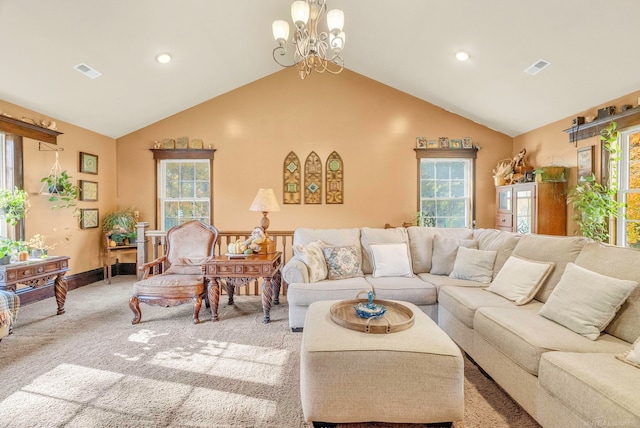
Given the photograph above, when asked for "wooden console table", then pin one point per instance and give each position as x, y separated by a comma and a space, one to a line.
239, 271
37, 273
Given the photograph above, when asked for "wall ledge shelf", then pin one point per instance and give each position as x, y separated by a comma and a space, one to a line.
183, 153
624, 119
28, 130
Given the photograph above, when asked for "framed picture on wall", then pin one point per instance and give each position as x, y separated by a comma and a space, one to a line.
467, 143
455, 143
421, 142
585, 162
88, 190
88, 218
88, 163
444, 142
432, 144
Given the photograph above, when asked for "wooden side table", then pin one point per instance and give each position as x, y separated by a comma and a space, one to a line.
108, 252
239, 271
37, 273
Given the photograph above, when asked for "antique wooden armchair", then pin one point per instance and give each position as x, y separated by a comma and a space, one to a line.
177, 277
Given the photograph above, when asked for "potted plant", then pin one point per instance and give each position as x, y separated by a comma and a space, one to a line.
501, 171
39, 248
13, 205
120, 225
595, 204
6, 248
61, 189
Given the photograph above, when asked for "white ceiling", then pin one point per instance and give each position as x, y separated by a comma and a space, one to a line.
218, 46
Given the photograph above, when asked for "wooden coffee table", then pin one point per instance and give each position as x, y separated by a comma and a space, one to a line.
239, 271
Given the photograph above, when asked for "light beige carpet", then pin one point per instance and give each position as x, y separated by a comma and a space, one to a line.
91, 368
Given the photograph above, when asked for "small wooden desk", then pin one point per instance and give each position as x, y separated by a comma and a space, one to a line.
37, 273
241, 271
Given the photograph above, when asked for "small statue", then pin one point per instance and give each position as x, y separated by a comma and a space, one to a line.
157, 144
370, 296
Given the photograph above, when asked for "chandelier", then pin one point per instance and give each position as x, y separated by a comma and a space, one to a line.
313, 50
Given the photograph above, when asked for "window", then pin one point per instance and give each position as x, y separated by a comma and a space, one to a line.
446, 182
628, 226
3, 179
184, 190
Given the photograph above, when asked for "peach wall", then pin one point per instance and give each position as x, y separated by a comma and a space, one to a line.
59, 225
372, 126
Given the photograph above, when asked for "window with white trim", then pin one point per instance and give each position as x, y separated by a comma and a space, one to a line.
184, 190
446, 183
628, 225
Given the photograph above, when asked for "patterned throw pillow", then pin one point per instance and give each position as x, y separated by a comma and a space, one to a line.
342, 262
312, 256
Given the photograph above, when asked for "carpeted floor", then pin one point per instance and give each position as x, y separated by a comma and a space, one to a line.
91, 368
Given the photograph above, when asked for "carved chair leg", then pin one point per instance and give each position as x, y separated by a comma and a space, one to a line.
196, 309
135, 307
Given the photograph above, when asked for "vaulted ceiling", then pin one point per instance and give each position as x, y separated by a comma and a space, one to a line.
218, 46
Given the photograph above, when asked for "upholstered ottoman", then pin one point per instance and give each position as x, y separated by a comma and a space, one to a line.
411, 376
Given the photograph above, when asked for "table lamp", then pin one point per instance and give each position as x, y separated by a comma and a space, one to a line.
265, 201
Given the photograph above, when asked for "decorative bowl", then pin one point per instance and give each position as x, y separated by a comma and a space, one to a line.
370, 310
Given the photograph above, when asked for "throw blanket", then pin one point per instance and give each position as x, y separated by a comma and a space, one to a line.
9, 305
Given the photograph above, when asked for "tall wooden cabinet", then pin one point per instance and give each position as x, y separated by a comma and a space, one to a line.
532, 208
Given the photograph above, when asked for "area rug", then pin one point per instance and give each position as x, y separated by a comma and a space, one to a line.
92, 368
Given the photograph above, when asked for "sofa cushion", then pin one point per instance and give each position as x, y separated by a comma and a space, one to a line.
632, 356
497, 240
623, 263
474, 265
607, 396
331, 237
303, 294
441, 280
312, 256
558, 249
445, 251
586, 301
369, 235
410, 289
524, 336
342, 262
391, 260
421, 244
463, 302
520, 279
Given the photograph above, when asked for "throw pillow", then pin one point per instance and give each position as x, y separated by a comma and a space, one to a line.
632, 356
342, 262
585, 301
312, 256
520, 279
444, 253
474, 265
390, 260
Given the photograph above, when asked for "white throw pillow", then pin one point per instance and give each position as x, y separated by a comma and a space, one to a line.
444, 253
312, 256
390, 260
632, 356
474, 265
519, 279
585, 301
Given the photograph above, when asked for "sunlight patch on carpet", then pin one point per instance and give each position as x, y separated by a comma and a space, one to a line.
248, 363
144, 336
76, 396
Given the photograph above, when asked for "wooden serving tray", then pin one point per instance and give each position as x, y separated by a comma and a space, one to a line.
397, 318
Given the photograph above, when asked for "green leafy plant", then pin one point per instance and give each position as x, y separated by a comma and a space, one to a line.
595, 204
61, 189
120, 222
13, 205
426, 219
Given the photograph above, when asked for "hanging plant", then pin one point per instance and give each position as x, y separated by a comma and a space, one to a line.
595, 204
60, 189
13, 205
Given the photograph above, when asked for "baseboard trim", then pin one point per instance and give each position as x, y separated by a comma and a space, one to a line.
30, 295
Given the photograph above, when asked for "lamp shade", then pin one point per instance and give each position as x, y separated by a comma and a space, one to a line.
335, 20
265, 201
280, 31
300, 13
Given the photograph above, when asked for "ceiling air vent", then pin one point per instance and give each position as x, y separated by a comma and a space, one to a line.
92, 73
537, 67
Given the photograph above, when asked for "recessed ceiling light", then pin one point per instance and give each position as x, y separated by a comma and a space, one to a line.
163, 58
462, 56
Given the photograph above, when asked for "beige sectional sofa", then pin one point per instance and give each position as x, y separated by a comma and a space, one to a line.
560, 377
